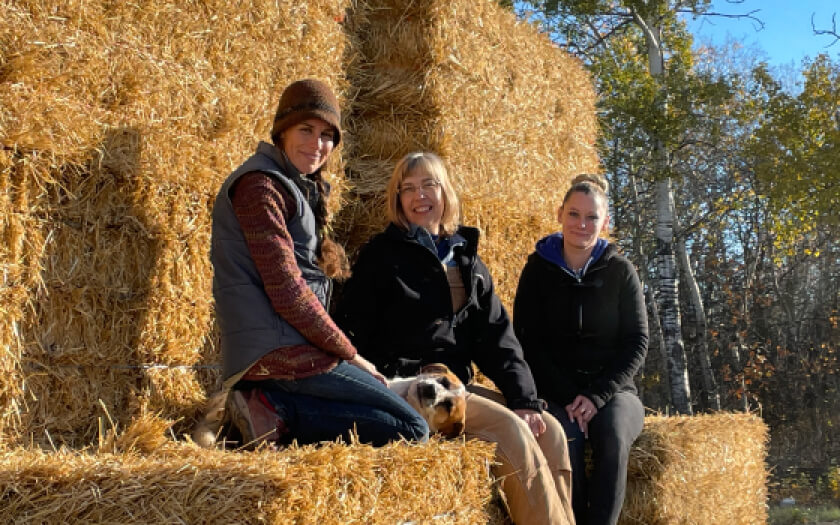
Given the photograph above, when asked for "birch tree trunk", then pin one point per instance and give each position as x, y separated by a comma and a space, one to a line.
657, 361
657, 364
669, 305
669, 301
697, 332
736, 350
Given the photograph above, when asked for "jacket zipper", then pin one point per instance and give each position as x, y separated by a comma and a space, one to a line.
579, 280
471, 268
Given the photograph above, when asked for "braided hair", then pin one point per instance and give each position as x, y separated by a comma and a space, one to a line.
331, 256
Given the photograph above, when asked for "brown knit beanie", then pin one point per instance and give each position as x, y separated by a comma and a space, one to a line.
306, 99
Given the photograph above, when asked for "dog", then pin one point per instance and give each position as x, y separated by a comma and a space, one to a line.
436, 394
205, 432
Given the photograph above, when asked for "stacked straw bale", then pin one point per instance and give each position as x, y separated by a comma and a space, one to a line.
698, 470
513, 116
118, 122
140, 477
683, 470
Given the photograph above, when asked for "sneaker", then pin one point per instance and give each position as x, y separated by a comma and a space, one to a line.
256, 421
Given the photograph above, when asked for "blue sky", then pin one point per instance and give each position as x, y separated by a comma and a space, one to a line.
787, 36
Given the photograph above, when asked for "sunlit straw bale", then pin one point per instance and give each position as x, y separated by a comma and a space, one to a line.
513, 115
138, 476
176, 392
698, 470
118, 122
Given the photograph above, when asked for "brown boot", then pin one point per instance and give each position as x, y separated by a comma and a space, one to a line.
253, 417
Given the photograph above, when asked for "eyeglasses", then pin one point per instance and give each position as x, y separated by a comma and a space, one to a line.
427, 186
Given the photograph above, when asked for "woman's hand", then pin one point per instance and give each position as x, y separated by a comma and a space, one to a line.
368, 367
582, 410
534, 420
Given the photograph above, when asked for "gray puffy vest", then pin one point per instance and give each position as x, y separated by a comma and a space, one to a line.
250, 328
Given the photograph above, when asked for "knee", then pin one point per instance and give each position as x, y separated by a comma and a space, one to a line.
417, 430
555, 436
612, 450
619, 432
514, 438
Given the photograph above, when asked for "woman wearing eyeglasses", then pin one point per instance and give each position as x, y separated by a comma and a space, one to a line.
420, 294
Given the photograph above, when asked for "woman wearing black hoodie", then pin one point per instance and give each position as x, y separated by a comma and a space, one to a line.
580, 316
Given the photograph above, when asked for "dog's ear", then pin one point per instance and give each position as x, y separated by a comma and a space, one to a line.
435, 368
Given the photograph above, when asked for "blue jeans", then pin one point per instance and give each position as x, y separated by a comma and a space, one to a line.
598, 499
331, 405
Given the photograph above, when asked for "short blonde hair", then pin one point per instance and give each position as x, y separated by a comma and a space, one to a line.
433, 166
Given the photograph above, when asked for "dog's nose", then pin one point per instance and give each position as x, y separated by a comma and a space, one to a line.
426, 391
456, 430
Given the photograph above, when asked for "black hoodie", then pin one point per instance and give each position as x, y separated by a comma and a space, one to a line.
581, 335
397, 311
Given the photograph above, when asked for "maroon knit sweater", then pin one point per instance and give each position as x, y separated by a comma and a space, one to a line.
263, 206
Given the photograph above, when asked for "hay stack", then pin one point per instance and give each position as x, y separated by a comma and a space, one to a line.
118, 122
683, 470
512, 114
698, 470
139, 477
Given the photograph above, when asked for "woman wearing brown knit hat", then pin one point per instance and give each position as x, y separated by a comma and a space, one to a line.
292, 374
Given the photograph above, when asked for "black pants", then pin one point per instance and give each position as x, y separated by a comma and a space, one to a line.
598, 500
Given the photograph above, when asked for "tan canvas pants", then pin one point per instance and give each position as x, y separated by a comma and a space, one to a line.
535, 472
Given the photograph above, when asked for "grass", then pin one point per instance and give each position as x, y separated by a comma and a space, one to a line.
796, 515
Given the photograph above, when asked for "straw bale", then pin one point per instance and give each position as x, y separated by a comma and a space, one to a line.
683, 470
12, 303
20, 245
500, 219
168, 65
123, 282
139, 477
68, 404
513, 115
178, 392
698, 470
118, 122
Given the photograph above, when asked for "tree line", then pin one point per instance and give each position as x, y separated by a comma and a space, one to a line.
726, 193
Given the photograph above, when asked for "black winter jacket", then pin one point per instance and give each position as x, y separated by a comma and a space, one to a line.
397, 311
582, 336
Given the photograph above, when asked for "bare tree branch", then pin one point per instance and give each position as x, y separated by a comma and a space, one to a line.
830, 32
601, 38
758, 24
